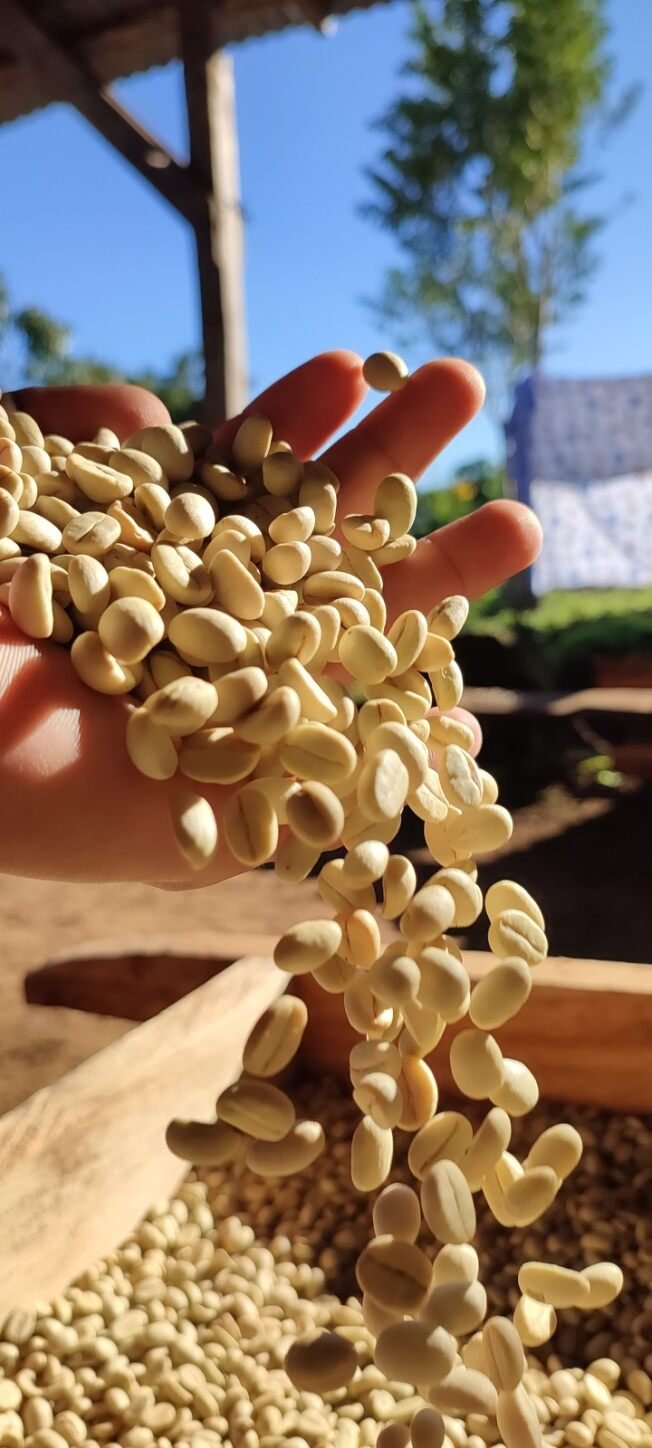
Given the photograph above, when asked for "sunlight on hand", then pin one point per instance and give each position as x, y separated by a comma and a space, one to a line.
53, 744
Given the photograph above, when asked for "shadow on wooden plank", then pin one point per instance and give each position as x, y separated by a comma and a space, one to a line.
138, 981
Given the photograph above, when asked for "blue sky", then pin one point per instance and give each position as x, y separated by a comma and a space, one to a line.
93, 244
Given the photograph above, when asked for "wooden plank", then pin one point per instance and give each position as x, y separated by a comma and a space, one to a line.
67, 77
81, 1161
212, 128
585, 701
138, 981
585, 1032
39, 1046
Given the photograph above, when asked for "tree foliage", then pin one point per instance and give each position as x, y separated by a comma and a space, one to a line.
474, 484
41, 353
481, 178
180, 386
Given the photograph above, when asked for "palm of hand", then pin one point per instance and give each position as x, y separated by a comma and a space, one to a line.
71, 804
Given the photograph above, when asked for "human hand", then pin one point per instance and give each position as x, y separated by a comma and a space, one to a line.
72, 806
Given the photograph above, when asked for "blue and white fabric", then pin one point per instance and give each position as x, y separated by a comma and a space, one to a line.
580, 453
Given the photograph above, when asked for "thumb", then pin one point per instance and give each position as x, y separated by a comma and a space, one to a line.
79, 412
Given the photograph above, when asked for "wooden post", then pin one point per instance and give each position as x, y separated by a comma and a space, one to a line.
210, 99
206, 192
64, 75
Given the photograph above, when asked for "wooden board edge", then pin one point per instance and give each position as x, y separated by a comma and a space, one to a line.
138, 979
82, 1160
564, 972
586, 1039
145, 977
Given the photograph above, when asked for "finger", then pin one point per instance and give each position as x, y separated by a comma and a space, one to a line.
406, 431
78, 412
472, 723
306, 406
309, 404
469, 556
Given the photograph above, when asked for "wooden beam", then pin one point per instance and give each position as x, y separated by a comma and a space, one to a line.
212, 127
69, 77
206, 192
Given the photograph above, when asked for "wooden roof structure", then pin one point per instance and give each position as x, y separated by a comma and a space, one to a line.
117, 38
72, 50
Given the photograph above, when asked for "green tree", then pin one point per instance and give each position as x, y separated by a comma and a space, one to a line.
41, 355
474, 484
481, 178
180, 387
46, 355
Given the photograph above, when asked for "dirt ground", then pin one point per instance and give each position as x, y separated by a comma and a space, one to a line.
586, 860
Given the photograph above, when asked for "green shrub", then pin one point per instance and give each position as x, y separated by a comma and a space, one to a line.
567, 629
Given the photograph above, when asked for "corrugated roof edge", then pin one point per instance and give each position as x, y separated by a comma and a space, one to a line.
152, 42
